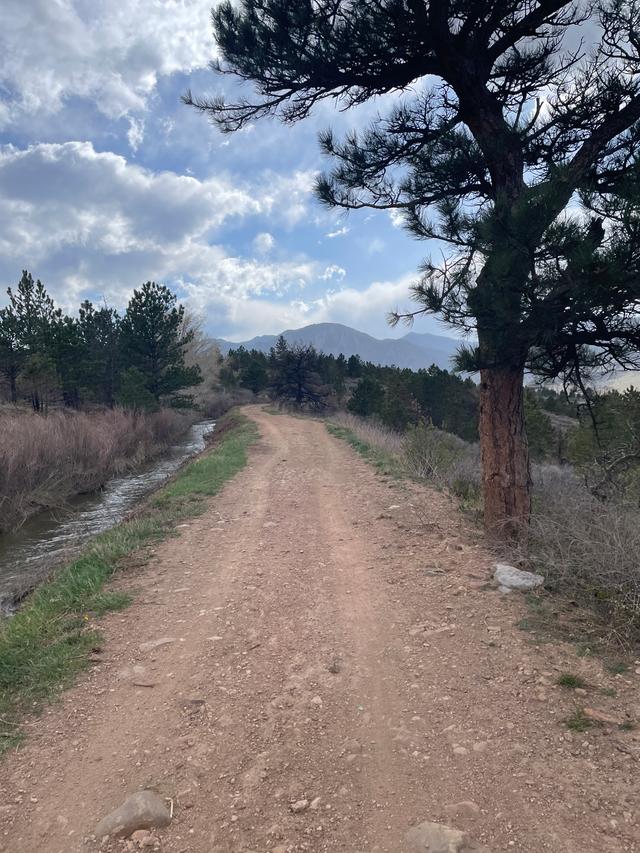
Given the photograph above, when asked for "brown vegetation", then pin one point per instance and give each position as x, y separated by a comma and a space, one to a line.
587, 549
45, 460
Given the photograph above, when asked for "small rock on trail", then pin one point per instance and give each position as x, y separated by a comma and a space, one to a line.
154, 644
430, 837
511, 578
143, 810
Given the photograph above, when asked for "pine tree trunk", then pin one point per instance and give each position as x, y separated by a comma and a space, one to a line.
506, 475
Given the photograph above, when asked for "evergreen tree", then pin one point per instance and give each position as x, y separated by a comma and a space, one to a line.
503, 124
354, 367
28, 327
152, 341
12, 354
367, 398
294, 376
100, 335
38, 374
134, 391
35, 315
68, 355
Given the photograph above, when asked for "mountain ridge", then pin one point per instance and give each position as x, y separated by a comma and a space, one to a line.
415, 350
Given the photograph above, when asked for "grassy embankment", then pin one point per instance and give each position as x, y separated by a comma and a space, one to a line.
586, 549
49, 640
46, 460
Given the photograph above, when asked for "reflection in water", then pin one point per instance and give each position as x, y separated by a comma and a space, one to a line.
50, 538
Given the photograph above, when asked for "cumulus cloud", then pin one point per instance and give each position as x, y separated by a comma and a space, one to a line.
90, 223
108, 51
362, 309
263, 243
56, 195
287, 197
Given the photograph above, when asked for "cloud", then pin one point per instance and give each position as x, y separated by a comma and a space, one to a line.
135, 134
287, 196
104, 50
339, 232
375, 245
333, 271
263, 243
362, 309
56, 195
91, 223
397, 218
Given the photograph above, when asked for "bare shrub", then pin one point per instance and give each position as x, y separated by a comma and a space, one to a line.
586, 548
443, 459
217, 403
45, 460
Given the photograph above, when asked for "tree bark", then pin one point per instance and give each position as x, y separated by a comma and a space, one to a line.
506, 474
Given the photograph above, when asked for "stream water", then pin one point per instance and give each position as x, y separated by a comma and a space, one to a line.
50, 538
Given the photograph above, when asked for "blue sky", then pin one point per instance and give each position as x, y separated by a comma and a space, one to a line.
107, 179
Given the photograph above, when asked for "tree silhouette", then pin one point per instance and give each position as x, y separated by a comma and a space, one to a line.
294, 376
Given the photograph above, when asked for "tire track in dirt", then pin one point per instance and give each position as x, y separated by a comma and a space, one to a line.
336, 673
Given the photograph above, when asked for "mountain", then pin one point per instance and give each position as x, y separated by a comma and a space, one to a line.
413, 350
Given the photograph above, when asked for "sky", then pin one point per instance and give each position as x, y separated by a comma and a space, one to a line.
107, 180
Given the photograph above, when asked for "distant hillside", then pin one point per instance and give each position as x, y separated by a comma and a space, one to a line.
413, 350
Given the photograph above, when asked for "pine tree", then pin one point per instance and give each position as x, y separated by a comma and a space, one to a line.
100, 333
505, 122
12, 354
295, 379
153, 343
367, 398
28, 327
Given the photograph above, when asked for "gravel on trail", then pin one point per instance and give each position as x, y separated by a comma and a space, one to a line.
321, 662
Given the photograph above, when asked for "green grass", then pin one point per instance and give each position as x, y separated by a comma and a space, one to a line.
617, 667
567, 679
48, 641
578, 722
383, 462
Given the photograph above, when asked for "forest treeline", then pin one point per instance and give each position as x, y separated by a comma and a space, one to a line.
399, 398
135, 359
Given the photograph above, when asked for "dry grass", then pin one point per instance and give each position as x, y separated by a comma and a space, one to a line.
372, 433
45, 460
587, 550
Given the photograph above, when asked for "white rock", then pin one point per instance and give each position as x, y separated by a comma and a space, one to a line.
154, 644
430, 837
512, 578
143, 810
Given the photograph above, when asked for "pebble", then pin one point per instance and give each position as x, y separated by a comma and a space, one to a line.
299, 806
154, 644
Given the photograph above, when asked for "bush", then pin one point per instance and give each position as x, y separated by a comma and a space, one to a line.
217, 403
586, 548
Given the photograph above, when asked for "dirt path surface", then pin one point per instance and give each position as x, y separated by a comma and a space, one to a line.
329, 639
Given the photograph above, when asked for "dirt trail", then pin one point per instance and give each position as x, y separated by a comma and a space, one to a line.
331, 640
